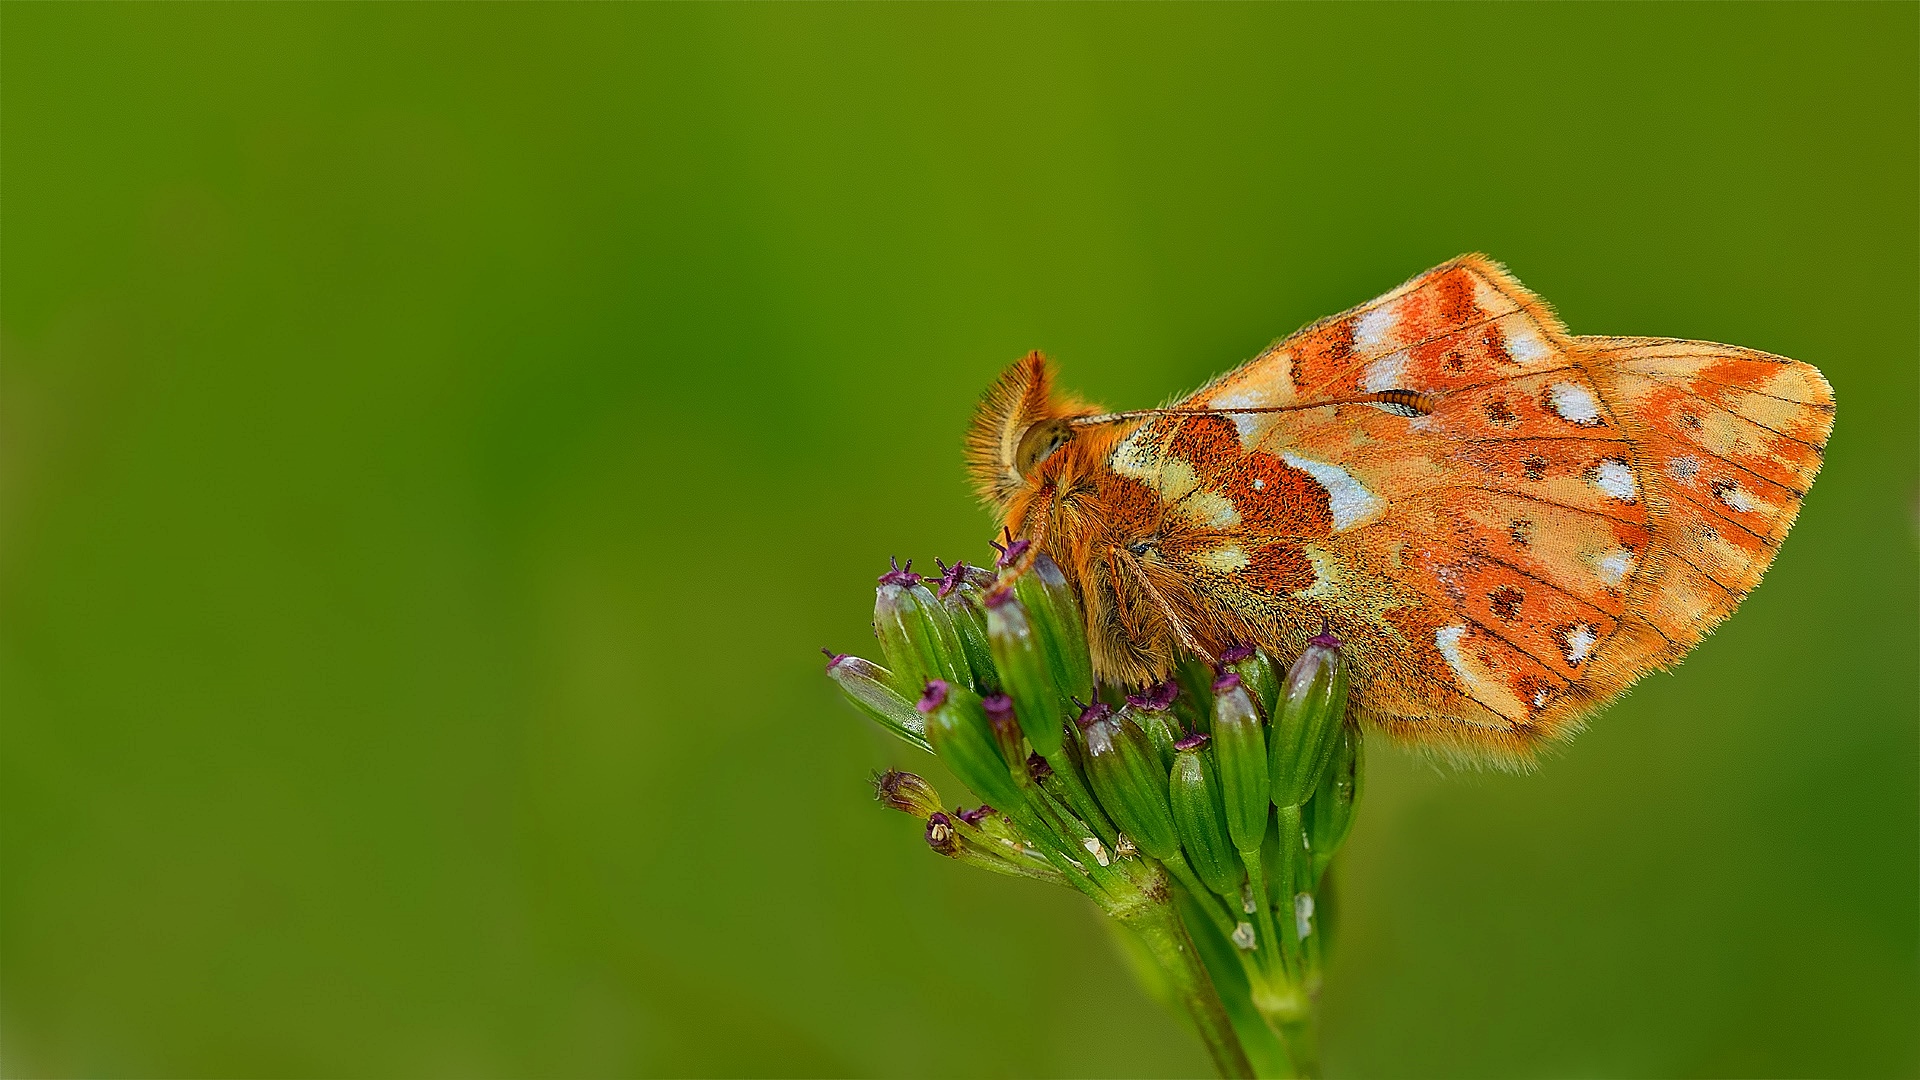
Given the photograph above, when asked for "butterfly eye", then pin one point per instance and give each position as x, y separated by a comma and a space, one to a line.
1141, 547
1039, 443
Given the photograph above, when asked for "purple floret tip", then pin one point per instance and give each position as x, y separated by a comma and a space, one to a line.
900, 575
1227, 681
1156, 698
833, 658
1092, 714
1237, 654
1194, 741
1010, 552
997, 706
975, 817
950, 576
934, 697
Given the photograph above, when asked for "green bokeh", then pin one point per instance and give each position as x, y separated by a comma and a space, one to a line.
435, 438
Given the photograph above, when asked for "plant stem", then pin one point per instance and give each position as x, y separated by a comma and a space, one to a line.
1159, 927
1277, 966
1289, 875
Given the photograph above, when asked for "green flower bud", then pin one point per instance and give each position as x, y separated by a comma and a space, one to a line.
905, 792
1240, 752
1130, 782
1313, 702
962, 592
997, 831
1057, 619
1152, 709
916, 633
1258, 673
870, 687
960, 733
1199, 818
1329, 814
1020, 656
1006, 729
954, 837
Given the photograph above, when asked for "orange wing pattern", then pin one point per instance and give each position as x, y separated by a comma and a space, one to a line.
1515, 527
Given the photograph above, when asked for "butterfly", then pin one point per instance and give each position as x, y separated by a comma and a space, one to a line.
1506, 525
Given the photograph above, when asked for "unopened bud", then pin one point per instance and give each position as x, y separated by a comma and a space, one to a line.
1057, 619
963, 737
1006, 730
1026, 672
1199, 817
989, 843
1240, 753
916, 633
1307, 722
1158, 731
1329, 814
906, 792
1131, 784
870, 687
961, 593
1257, 674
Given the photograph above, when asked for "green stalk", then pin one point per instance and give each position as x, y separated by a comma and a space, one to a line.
1289, 875
1160, 929
1278, 965
1079, 798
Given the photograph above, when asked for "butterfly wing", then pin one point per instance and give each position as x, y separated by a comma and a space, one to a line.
1551, 517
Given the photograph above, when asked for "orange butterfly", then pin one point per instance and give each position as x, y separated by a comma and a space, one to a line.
1506, 524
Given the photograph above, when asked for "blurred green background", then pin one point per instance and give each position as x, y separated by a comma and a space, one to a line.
437, 438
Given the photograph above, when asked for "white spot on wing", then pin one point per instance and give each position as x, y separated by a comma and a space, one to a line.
1370, 330
1488, 298
1138, 454
1734, 496
1525, 346
1579, 639
1615, 477
1615, 566
1574, 403
1250, 425
1348, 499
1447, 640
1386, 373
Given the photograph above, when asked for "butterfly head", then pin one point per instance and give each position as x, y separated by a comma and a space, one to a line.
1038, 460
1018, 427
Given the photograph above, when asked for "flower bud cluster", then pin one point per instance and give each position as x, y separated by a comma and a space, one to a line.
1231, 785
